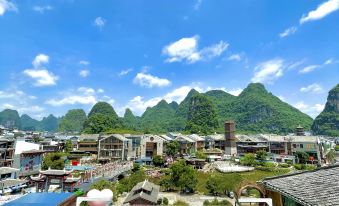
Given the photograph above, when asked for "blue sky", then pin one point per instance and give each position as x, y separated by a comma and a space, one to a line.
59, 55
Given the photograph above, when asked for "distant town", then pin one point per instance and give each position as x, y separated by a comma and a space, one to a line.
35, 162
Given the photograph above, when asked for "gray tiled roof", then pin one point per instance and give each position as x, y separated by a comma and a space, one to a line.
317, 188
144, 186
7, 170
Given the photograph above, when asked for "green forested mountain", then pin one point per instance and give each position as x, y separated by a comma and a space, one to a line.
161, 118
130, 121
202, 117
327, 122
101, 118
254, 110
73, 121
29, 124
49, 123
10, 118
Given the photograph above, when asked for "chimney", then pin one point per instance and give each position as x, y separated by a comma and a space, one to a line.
230, 141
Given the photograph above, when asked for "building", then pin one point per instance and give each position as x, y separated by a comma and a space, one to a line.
144, 193
88, 143
29, 162
215, 141
9, 182
250, 144
187, 145
284, 148
152, 145
6, 152
54, 177
230, 141
114, 147
317, 187
135, 153
199, 141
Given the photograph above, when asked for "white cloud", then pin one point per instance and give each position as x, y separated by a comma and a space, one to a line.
267, 72
125, 71
20, 101
138, 105
314, 88
100, 22
42, 9
84, 62
311, 68
235, 92
197, 4
183, 49
40, 60
100, 90
288, 32
42, 77
84, 73
186, 49
235, 57
150, 81
83, 95
282, 98
308, 69
7, 6
321, 11
214, 50
312, 110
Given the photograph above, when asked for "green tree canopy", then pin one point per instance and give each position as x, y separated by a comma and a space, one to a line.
54, 160
172, 148
183, 176
248, 160
98, 123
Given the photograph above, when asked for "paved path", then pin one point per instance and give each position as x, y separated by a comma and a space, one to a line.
192, 199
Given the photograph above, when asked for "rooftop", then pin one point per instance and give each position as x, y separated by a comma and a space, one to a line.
148, 191
7, 170
317, 187
40, 199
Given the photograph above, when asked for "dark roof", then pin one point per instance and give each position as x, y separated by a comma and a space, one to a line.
148, 191
40, 199
318, 187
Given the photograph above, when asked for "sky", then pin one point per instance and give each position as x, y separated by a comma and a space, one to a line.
68, 54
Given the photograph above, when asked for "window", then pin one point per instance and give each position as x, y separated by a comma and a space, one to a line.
294, 146
301, 146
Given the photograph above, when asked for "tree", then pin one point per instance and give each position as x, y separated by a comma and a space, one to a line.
127, 183
73, 121
68, 146
213, 185
302, 157
202, 117
172, 148
183, 176
98, 123
261, 155
158, 161
54, 160
200, 154
248, 160
180, 203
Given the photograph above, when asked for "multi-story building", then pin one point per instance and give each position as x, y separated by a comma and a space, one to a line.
199, 141
215, 141
88, 143
250, 144
187, 145
152, 145
114, 147
6, 152
135, 152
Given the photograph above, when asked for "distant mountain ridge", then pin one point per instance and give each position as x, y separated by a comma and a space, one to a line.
327, 122
255, 110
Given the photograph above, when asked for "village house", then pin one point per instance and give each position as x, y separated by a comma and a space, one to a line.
114, 147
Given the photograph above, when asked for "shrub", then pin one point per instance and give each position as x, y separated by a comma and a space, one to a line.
180, 203
215, 202
284, 165
165, 201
